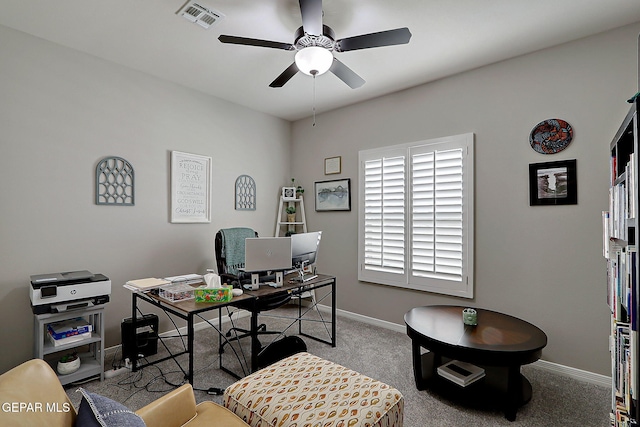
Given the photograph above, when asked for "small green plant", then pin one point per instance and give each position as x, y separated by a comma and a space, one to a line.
69, 357
299, 188
291, 210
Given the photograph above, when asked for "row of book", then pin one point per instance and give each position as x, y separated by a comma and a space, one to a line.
622, 285
624, 361
622, 201
629, 175
69, 331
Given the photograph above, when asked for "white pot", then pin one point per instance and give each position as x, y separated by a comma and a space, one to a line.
70, 367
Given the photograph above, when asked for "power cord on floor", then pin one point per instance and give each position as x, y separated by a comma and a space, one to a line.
215, 391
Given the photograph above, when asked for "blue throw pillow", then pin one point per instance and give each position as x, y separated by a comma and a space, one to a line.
100, 411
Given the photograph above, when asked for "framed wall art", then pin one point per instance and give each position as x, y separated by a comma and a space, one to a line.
333, 195
332, 165
115, 181
551, 136
553, 183
190, 188
245, 193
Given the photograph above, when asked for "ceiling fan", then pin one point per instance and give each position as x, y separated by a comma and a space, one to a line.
315, 44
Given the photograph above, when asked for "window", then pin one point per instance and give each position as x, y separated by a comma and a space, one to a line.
416, 215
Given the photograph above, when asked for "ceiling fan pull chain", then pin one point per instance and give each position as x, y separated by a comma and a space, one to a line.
314, 99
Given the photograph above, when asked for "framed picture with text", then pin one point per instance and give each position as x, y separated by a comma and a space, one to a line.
334, 195
190, 188
553, 183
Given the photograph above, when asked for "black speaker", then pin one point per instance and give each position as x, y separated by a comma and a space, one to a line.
145, 336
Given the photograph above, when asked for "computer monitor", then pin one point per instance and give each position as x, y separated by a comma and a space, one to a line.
304, 247
267, 254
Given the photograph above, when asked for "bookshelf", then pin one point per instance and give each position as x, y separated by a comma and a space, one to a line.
620, 250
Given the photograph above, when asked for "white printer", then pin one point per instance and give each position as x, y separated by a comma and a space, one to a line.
57, 292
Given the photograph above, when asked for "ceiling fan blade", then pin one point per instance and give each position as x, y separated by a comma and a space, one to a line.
382, 38
311, 11
286, 75
255, 42
346, 74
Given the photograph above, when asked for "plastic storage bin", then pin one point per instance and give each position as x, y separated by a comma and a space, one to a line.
176, 292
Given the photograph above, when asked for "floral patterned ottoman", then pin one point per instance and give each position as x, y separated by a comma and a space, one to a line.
304, 390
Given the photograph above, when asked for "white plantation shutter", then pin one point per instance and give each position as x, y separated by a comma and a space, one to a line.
416, 221
384, 214
437, 214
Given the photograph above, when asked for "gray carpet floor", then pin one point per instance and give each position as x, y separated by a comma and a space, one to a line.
377, 352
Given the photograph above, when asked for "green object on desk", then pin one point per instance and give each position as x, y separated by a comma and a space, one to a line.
214, 295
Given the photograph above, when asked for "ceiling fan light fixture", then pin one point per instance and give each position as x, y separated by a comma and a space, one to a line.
314, 60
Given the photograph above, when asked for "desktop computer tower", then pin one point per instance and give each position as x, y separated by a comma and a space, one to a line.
145, 336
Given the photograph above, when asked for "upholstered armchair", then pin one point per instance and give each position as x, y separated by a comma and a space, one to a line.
31, 395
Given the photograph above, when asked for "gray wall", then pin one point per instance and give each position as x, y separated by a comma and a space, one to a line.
61, 112
543, 264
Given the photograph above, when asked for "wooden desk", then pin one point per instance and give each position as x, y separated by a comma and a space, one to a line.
499, 340
296, 289
188, 310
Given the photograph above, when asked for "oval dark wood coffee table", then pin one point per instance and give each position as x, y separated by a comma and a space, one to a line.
500, 344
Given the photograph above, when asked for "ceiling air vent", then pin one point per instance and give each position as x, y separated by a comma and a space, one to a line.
199, 14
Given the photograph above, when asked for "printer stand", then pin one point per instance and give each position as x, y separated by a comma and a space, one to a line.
92, 357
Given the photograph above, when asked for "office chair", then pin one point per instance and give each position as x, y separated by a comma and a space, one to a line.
229, 249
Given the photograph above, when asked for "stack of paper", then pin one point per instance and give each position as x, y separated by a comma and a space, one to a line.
145, 284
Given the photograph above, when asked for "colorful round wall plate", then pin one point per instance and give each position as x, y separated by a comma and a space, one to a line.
551, 136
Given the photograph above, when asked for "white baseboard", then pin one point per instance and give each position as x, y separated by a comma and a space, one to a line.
578, 374
568, 371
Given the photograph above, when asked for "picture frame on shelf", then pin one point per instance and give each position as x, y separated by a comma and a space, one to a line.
553, 183
190, 188
288, 193
333, 195
333, 165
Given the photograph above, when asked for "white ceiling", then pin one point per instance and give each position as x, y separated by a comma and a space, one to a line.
449, 36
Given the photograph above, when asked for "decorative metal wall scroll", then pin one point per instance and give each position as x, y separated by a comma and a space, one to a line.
115, 182
551, 136
245, 193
